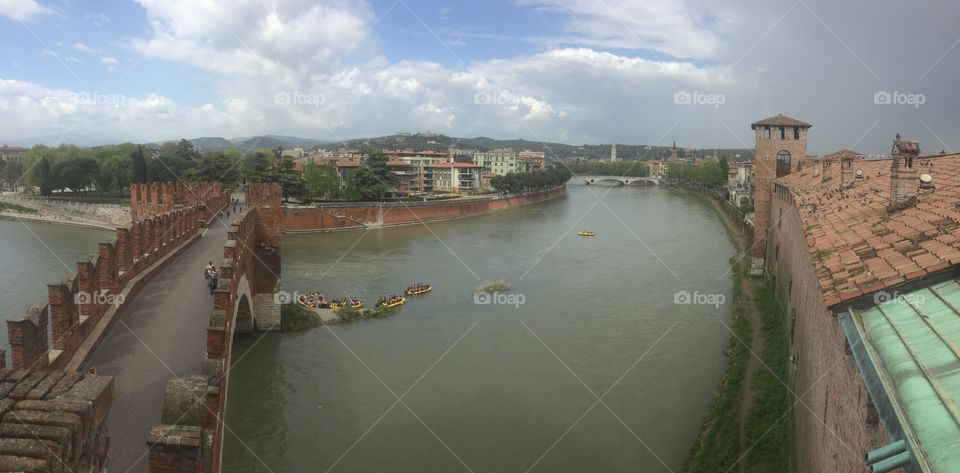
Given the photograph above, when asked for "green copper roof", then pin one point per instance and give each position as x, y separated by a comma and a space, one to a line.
912, 341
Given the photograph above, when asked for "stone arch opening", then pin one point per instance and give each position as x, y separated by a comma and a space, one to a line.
243, 320
783, 163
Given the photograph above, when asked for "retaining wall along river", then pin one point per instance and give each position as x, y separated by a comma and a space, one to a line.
328, 217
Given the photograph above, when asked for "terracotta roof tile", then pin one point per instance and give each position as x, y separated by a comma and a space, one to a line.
855, 246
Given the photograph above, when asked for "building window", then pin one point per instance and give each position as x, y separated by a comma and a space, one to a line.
796, 133
766, 133
783, 135
783, 163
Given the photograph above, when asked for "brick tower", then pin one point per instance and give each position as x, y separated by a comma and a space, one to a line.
781, 142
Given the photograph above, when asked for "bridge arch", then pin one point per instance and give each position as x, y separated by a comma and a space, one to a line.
243, 308
615, 181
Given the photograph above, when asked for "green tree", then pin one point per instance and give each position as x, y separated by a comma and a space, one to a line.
321, 182
139, 165
76, 174
44, 180
12, 174
374, 178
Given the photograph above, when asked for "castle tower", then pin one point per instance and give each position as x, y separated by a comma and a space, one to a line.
673, 151
781, 142
613, 153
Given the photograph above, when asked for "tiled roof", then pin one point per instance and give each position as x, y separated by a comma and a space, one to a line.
856, 247
780, 120
347, 163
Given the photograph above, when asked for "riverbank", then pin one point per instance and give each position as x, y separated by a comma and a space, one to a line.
748, 428
54, 220
350, 216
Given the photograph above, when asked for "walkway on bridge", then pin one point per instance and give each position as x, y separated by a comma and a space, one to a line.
161, 334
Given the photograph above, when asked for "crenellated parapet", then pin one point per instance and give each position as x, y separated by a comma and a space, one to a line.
155, 198
78, 303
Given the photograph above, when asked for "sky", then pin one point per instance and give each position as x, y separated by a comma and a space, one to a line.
697, 72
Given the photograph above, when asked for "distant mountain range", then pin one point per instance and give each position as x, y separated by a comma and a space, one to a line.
417, 141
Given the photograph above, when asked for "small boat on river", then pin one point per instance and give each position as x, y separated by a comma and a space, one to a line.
586, 234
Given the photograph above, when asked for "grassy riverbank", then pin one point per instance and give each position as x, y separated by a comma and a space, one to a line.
749, 426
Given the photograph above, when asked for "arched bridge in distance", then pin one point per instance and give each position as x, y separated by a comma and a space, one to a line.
590, 179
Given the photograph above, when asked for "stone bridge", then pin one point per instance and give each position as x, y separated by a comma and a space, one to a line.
588, 179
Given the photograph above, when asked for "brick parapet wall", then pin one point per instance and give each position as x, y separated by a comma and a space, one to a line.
834, 424
54, 420
328, 217
156, 198
78, 302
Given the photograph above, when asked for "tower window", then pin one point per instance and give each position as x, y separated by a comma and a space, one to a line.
766, 133
796, 133
783, 135
783, 163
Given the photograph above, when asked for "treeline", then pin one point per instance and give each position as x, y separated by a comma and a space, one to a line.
625, 168
709, 173
530, 181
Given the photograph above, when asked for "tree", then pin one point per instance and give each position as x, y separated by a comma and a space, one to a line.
12, 174
116, 173
139, 165
215, 167
43, 176
374, 178
321, 181
76, 174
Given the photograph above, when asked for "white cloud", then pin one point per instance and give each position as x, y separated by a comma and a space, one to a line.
22, 9
83, 48
674, 27
110, 62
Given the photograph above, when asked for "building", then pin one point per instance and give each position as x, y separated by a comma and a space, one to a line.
864, 255
12, 153
501, 161
613, 153
295, 153
415, 168
741, 183
463, 178
534, 160
344, 168
658, 168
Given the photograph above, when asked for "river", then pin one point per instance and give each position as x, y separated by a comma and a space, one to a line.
497, 387
33, 255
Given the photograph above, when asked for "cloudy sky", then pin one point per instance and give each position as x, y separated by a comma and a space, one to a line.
573, 71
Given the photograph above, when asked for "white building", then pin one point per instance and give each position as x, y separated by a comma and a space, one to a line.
501, 161
464, 178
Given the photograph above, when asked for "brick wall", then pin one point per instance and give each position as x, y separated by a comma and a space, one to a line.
149, 199
833, 425
343, 216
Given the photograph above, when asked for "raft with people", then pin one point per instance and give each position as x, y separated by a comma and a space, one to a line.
346, 302
392, 301
419, 288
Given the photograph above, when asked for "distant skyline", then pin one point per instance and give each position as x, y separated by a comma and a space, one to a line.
569, 71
